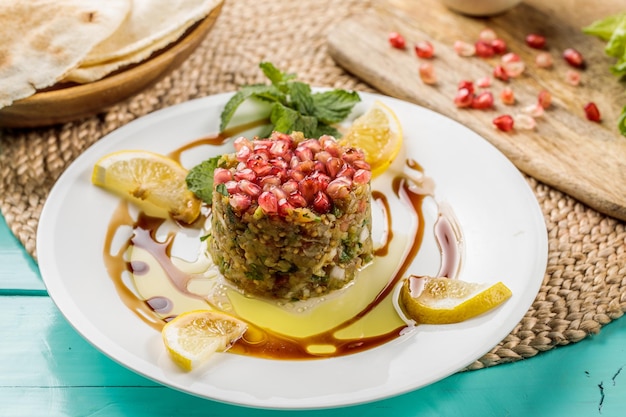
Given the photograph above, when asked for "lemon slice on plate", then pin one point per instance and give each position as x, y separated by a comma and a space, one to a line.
154, 182
378, 134
430, 300
191, 338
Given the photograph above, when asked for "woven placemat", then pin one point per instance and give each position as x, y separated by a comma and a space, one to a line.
585, 283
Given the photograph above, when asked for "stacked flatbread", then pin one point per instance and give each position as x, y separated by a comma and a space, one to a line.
44, 42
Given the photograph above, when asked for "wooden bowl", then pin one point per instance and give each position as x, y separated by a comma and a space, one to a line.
65, 104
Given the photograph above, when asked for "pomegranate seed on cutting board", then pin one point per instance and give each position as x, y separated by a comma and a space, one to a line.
560, 132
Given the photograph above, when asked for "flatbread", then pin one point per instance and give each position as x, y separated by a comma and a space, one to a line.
147, 23
88, 74
43, 39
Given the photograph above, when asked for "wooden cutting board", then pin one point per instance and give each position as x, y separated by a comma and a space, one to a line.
584, 159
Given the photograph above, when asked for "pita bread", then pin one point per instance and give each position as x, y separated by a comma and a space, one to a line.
148, 22
43, 39
87, 74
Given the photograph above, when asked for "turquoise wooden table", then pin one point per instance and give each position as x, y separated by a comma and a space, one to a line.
47, 369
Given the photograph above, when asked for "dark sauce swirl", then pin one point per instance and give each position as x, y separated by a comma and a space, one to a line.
262, 342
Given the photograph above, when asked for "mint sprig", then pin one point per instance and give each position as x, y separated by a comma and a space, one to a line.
294, 106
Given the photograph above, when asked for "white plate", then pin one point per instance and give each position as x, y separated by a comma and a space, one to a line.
504, 239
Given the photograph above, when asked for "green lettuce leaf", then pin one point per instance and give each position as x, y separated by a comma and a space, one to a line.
604, 28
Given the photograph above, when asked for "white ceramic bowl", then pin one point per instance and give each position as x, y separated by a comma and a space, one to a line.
480, 7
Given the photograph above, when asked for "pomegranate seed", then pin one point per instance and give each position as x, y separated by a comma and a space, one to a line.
483, 101
361, 164
534, 110
339, 188
424, 49
240, 202
510, 57
333, 166
303, 153
544, 60
308, 187
284, 207
512, 64
296, 199
514, 68
322, 156
524, 121
572, 77
243, 153
507, 96
500, 73
332, 147
484, 82
321, 203
321, 179
278, 192
232, 187
544, 99
467, 85
484, 49
221, 176
244, 174
464, 98
249, 188
464, 49
396, 40
427, 73
574, 58
352, 154
290, 186
499, 46
268, 202
592, 112
535, 41
487, 35
362, 176
346, 172
242, 142
504, 123
312, 144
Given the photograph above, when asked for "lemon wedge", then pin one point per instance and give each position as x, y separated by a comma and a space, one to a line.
154, 182
378, 134
191, 338
445, 300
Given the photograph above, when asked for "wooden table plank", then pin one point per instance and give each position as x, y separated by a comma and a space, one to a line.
48, 369
18, 271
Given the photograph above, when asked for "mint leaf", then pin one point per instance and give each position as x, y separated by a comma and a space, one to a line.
301, 98
323, 129
334, 106
221, 188
287, 120
261, 91
276, 77
200, 179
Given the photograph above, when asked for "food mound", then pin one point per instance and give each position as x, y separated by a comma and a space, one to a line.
291, 216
